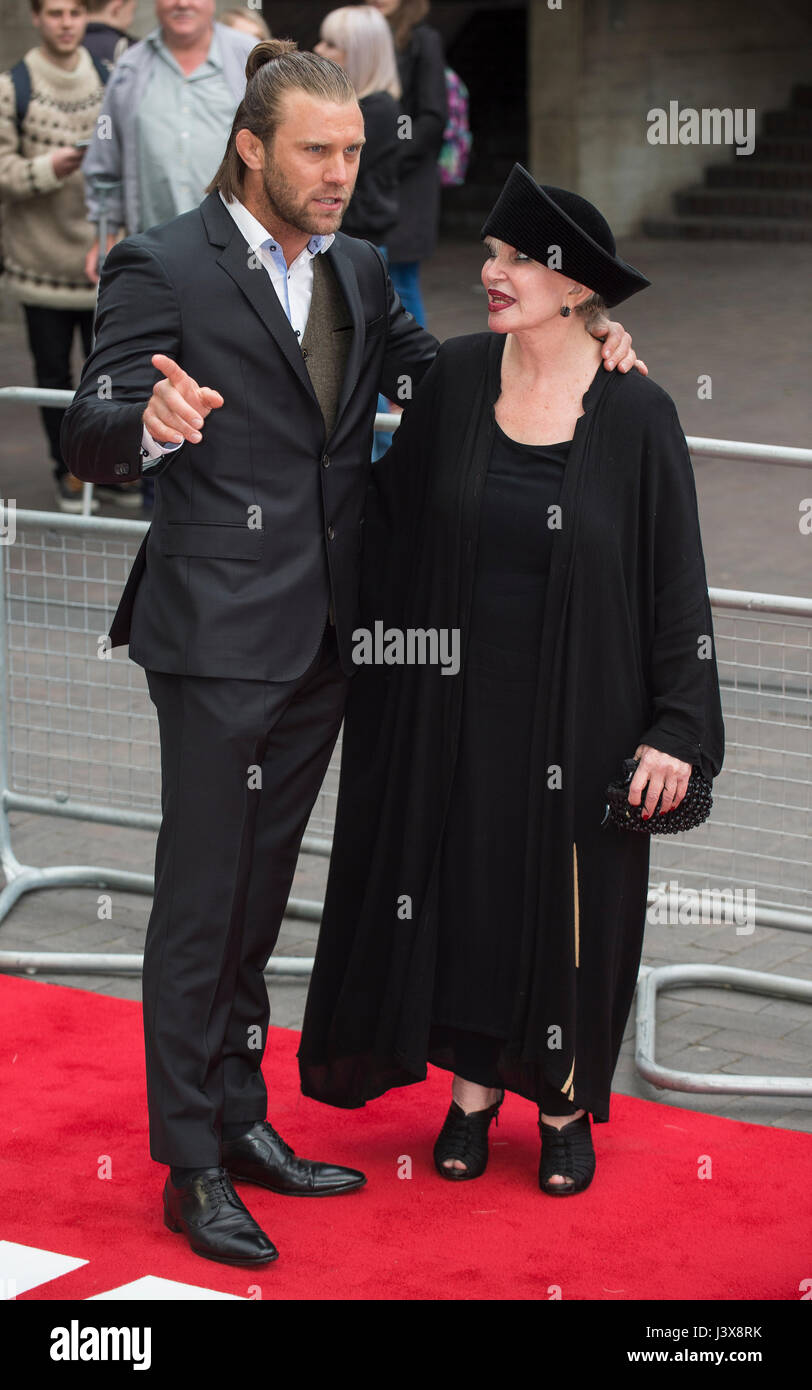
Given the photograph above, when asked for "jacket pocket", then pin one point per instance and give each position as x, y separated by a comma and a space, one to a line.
211, 540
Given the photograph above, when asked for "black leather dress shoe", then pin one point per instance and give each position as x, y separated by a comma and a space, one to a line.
217, 1225
262, 1157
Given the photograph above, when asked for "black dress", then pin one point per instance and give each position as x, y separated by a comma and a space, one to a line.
626, 603
482, 865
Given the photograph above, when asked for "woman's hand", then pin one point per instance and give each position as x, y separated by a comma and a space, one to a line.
663, 774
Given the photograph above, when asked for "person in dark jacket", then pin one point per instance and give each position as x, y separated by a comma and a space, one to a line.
107, 34
421, 66
358, 38
360, 41
534, 611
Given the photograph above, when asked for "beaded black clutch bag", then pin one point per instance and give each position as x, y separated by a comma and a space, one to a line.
694, 808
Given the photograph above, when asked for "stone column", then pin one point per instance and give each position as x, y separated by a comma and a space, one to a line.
555, 73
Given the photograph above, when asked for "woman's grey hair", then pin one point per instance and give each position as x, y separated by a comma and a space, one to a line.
591, 309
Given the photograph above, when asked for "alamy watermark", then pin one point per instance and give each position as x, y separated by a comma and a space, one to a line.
673, 906
75, 1343
711, 125
413, 646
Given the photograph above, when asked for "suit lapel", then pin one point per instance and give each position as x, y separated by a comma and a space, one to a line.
235, 259
251, 278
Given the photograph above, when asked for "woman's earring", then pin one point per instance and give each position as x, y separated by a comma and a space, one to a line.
565, 311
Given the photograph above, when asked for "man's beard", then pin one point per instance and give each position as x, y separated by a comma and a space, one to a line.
284, 202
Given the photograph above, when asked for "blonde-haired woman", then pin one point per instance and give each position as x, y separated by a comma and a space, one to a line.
247, 21
421, 66
359, 39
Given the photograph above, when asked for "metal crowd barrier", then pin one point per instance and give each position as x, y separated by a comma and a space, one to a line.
41, 395
759, 836
78, 733
729, 449
79, 740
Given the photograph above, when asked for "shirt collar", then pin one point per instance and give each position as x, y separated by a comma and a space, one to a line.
157, 41
256, 235
317, 244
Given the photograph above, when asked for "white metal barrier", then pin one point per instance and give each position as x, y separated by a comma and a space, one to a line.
759, 835
78, 739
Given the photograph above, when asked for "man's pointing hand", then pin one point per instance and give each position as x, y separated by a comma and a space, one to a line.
178, 406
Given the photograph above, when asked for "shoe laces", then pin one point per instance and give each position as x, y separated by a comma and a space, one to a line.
220, 1187
269, 1129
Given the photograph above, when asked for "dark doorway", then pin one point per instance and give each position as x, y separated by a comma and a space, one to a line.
490, 55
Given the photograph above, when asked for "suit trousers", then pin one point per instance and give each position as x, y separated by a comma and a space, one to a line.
242, 762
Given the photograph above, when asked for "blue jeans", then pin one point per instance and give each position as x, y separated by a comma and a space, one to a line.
405, 276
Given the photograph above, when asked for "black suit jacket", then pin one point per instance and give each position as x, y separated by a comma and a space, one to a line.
256, 527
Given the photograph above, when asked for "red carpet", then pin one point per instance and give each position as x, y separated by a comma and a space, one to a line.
648, 1227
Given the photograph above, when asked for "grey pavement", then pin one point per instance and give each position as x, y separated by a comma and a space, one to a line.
733, 312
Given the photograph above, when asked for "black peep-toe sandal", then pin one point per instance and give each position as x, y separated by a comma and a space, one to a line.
465, 1137
567, 1152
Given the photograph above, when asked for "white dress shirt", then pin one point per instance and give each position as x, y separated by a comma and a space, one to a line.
293, 285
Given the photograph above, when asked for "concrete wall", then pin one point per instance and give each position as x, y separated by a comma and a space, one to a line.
598, 66
595, 69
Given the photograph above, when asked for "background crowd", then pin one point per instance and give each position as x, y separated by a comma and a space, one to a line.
101, 130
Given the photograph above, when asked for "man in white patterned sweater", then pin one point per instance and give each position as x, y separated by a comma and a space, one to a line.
46, 234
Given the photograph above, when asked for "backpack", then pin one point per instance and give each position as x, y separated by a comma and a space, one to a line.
21, 79
456, 149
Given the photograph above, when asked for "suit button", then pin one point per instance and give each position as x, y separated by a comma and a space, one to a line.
331, 533
326, 461
305, 352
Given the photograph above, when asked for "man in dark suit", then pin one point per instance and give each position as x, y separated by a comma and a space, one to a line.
243, 597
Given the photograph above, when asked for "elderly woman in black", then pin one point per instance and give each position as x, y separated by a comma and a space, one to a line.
478, 914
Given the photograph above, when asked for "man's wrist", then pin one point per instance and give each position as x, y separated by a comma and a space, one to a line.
43, 174
152, 448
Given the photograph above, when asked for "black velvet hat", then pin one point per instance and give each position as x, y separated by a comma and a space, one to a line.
535, 217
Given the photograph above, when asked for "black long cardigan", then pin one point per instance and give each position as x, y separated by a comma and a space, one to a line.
621, 662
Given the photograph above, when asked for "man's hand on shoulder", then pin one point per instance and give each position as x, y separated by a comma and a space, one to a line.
178, 407
617, 348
